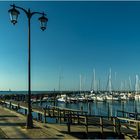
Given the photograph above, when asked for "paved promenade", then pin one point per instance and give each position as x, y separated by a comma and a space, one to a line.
12, 125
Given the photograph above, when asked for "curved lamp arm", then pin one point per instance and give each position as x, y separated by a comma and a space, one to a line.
28, 12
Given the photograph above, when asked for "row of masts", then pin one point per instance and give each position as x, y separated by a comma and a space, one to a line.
112, 85
95, 84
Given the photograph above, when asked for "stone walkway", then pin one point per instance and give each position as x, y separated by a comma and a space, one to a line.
12, 125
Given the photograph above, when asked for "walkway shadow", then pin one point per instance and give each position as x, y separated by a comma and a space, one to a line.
12, 124
8, 116
94, 135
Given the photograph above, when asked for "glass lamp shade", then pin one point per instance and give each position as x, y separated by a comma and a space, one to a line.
43, 22
13, 15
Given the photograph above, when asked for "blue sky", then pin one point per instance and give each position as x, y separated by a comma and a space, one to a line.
80, 36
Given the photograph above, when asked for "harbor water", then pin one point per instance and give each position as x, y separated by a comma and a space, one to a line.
99, 108
107, 108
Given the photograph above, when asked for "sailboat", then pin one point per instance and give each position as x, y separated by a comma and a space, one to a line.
62, 98
137, 89
81, 96
110, 95
93, 87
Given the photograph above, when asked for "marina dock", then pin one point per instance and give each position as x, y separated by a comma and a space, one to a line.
13, 125
73, 122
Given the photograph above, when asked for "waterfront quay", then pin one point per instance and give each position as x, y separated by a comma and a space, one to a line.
69, 123
13, 125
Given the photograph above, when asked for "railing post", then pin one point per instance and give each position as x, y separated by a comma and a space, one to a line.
108, 111
78, 118
60, 116
89, 108
45, 115
86, 124
114, 125
10, 105
81, 109
118, 127
25, 111
53, 111
57, 117
5, 104
64, 115
101, 125
38, 117
70, 117
137, 130
68, 122
18, 106
49, 112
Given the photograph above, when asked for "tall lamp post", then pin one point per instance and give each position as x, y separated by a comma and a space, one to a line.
43, 22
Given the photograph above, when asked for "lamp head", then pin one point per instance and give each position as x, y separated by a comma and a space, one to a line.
13, 14
43, 22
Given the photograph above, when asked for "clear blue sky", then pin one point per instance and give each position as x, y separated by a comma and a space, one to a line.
80, 36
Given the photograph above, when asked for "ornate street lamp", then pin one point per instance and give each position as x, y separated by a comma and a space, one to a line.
43, 21
14, 15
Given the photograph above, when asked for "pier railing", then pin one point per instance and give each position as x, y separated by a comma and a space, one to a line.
126, 114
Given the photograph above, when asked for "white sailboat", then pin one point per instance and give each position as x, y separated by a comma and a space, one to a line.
93, 82
62, 98
110, 95
137, 89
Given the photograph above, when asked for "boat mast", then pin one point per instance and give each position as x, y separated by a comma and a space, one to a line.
109, 83
130, 85
137, 84
91, 89
80, 83
125, 85
60, 81
99, 85
121, 86
94, 80
115, 81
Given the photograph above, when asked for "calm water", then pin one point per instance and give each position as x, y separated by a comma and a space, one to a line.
101, 108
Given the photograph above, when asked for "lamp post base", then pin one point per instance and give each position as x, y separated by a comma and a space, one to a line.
29, 121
